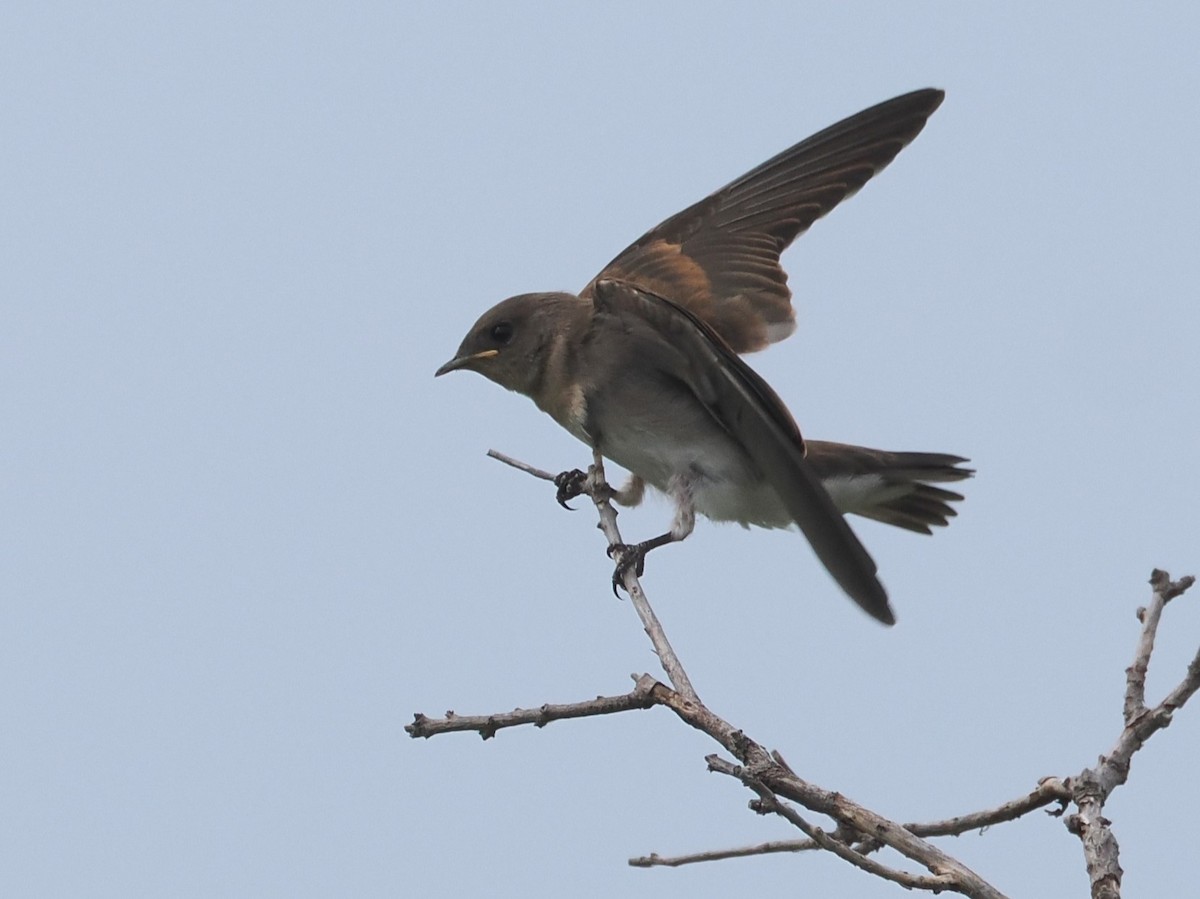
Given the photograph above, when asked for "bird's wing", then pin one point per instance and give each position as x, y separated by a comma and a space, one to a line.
720, 257
746, 406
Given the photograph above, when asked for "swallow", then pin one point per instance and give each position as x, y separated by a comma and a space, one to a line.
644, 364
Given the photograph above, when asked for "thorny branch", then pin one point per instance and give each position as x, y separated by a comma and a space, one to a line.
858, 830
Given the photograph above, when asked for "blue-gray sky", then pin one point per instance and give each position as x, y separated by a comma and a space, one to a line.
245, 534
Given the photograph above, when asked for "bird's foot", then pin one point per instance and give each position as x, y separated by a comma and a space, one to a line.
570, 485
627, 557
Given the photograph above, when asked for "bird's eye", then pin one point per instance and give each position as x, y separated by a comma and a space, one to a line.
502, 332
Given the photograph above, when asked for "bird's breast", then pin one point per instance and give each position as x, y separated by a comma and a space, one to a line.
569, 407
660, 434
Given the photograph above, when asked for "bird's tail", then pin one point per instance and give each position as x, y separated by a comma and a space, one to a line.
895, 488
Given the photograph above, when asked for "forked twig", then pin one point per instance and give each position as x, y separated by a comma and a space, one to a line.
859, 831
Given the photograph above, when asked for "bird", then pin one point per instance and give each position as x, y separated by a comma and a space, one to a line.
644, 364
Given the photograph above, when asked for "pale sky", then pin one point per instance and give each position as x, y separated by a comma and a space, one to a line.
245, 533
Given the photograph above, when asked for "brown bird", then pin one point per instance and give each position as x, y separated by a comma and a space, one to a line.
643, 364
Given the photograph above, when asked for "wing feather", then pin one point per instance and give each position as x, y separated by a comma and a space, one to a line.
719, 258
746, 406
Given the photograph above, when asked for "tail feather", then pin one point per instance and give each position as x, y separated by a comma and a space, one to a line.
894, 488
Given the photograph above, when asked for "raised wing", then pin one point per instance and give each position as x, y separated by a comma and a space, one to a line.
745, 405
719, 258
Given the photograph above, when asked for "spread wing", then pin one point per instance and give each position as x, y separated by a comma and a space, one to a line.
745, 405
720, 257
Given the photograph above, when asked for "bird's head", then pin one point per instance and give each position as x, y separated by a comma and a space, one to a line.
511, 341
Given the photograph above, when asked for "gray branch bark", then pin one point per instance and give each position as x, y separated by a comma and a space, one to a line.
859, 831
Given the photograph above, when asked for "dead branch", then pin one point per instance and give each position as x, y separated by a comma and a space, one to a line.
1091, 788
598, 489
1049, 791
859, 831
487, 725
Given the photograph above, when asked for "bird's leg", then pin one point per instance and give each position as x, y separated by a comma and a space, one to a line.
571, 484
680, 490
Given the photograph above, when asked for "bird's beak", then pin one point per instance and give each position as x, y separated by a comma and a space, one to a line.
465, 361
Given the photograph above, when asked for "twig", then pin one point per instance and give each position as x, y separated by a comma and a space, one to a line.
520, 466
861, 831
768, 802
1049, 790
1091, 788
654, 860
769, 770
599, 490
487, 725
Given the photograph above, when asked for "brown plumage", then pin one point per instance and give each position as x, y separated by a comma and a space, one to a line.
643, 365
719, 258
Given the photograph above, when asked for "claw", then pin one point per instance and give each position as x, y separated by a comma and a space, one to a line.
627, 557
570, 485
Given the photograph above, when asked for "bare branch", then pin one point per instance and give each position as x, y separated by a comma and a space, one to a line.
520, 466
487, 725
768, 803
1162, 583
859, 830
1091, 788
601, 493
766, 771
1049, 790
654, 860
769, 771
599, 490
